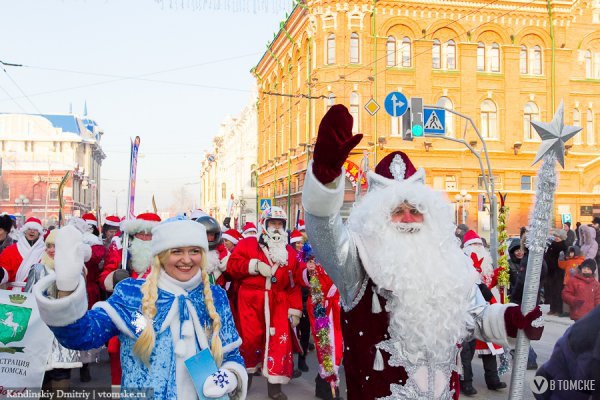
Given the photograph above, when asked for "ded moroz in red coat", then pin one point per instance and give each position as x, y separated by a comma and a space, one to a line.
263, 307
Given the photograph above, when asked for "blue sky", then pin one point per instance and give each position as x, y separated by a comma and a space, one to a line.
77, 51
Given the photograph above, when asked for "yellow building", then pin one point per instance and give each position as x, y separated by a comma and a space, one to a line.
503, 63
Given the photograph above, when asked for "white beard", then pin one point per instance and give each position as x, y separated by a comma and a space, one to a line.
426, 275
141, 255
487, 268
213, 262
277, 249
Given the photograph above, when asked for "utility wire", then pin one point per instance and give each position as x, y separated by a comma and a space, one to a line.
19, 87
13, 99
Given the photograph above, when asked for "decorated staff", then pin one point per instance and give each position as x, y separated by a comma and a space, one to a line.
554, 135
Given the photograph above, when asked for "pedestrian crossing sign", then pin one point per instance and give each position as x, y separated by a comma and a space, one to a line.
265, 203
435, 121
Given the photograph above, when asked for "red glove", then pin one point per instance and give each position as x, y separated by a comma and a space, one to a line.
334, 143
515, 320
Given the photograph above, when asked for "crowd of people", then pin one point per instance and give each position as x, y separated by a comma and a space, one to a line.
191, 309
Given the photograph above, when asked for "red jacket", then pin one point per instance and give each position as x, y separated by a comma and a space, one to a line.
112, 261
10, 260
93, 272
582, 295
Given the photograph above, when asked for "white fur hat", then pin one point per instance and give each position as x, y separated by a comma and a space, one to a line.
174, 233
33, 223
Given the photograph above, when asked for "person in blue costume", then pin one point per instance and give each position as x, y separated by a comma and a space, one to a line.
161, 322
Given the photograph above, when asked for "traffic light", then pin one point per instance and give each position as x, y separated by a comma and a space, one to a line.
416, 116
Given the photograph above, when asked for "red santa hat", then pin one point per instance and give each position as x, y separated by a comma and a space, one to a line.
395, 167
142, 223
233, 236
295, 236
301, 226
33, 223
471, 238
90, 219
249, 227
112, 220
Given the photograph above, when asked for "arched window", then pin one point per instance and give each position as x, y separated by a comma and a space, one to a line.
589, 127
330, 101
531, 112
523, 59
447, 103
354, 111
436, 54
480, 56
354, 48
451, 54
391, 51
495, 58
489, 118
596, 189
536, 61
331, 49
406, 52
596, 65
577, 122
588, 65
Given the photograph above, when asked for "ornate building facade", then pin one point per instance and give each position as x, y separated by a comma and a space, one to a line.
37, 151
503, 64
228, 175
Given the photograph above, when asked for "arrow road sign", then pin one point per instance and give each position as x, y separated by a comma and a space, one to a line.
396, 104
435, 121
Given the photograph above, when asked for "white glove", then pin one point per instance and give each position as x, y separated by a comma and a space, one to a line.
294, 320
223, 263
220, 383
264, 269
68, 261
80, 224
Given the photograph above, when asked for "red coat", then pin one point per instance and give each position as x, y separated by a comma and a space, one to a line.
582, 295
10, 260
263, 308
112, 262
93, 273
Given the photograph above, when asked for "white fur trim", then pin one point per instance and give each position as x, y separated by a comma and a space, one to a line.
64, 311
232, 346
242, 378
230, 238
320, 200
494, 327
114, 317
377, 181
247, 231
111, 223
473, 241
4, 278
332, 291
32, 225
305, 277
252, 266
183, 233
133, 226
296, 239
293, 311
91, 222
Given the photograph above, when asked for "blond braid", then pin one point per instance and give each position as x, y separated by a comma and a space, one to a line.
145, 343
216, 346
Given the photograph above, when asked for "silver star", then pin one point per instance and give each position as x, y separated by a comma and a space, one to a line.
554, 135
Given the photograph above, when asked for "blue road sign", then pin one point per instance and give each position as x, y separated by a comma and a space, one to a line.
396, 104
265, 203
435, 121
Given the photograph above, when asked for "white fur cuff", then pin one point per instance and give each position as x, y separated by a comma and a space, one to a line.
252, 266
293, 311
60, 312
494, 327
242, 378
320, 200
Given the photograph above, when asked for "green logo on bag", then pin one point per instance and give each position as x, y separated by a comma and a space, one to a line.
13, 323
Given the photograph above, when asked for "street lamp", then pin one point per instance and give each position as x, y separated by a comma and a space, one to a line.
463, 198
116, 192
22, 201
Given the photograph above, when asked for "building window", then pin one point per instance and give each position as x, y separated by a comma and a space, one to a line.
451, 54
596, 66
577, 122
495, 58
330, 101
450, 183
436, 54
53, 195
391, 51
489, 119
531, 112
354, 48
254, 179
331, 49
481, 180
447, 104
523, 59
480, 56
526, 182
354, 111
588, 65
406, 52
589, 127
5, 191
536, 61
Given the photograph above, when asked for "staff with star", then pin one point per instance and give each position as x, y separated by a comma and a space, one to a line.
554, 135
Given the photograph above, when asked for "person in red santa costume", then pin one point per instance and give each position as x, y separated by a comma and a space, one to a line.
409, 293
17, 259
139, 260
110, 228
269, 300
91, 238
231, 238
249, 229
482, 262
